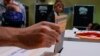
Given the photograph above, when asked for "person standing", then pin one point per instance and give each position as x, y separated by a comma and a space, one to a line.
22, 8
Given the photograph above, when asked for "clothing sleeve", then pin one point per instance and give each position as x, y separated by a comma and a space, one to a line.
23, 12
2, 10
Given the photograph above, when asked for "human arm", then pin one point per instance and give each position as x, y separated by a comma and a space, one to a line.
42, 34
7, 36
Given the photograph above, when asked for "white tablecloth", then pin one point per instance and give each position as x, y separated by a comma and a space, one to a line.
74, 48
78, 48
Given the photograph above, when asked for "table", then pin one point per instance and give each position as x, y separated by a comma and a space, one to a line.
71, 48
15, 51
79, 48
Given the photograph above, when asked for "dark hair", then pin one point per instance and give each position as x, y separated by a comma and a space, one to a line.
95, 26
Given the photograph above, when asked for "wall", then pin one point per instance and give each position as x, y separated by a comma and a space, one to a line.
69, 3
31, 5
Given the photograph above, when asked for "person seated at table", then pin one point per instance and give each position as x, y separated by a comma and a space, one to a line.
93, 26
13, 16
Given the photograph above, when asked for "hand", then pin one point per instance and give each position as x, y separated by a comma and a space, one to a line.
43, 34
14, 7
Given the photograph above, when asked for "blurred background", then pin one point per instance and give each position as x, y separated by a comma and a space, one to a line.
68, 9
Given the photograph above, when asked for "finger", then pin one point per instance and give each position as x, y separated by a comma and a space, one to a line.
46, 41
49, 43
50, 32
52, 25
50, 39
54, 35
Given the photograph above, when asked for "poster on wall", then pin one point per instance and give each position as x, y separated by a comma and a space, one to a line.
44, 13
83, 15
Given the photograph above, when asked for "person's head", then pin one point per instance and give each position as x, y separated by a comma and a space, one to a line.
13, 7
7, 1
58, 6
93, 26
89, 26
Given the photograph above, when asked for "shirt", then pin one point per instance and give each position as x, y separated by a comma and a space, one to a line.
22, 10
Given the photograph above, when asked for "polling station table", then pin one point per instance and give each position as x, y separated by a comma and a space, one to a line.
74, 47
15, 51
70, 48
